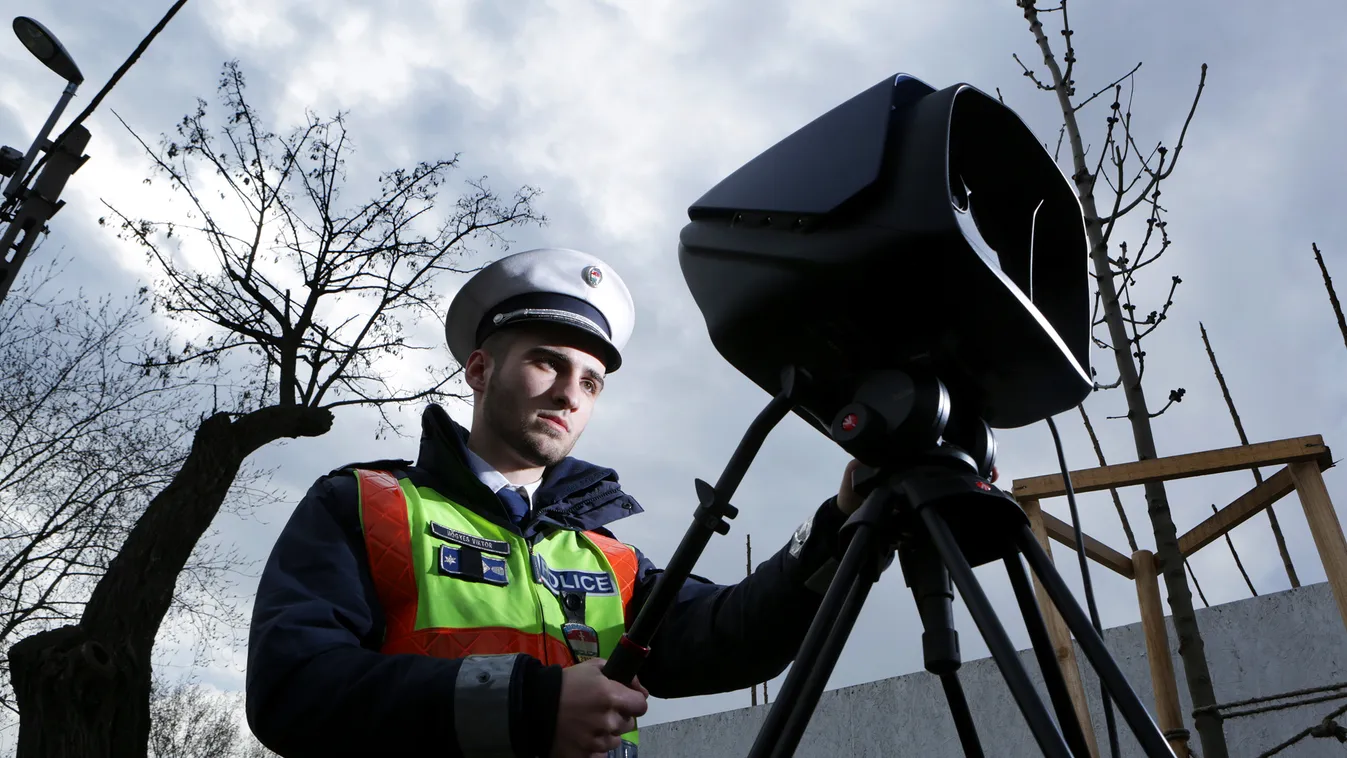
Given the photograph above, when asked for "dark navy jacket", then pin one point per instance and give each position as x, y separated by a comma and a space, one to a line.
316, 685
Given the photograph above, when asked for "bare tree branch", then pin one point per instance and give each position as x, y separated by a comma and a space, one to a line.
1102, 90
1162, 173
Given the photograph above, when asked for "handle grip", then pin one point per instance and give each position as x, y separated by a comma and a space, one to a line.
625, 661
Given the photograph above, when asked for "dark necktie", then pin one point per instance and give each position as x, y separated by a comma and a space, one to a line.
516, 502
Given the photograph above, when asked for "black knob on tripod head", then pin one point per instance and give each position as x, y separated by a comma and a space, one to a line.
974, 437
893, 414
857, 425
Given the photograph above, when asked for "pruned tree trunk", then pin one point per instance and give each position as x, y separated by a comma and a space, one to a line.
1170, 560
1117, 501
84, 689
1332, 295
1238, 563
1257, 475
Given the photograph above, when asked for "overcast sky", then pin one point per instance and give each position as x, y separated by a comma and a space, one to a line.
623, 114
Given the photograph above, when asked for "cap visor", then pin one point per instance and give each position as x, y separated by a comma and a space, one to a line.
605, 349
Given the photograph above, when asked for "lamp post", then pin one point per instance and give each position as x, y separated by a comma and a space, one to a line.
27, 212
46, 48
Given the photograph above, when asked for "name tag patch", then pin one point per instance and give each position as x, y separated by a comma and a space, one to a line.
481, 543
586, 582
469, 564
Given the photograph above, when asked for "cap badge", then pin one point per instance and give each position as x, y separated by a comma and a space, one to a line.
593, 275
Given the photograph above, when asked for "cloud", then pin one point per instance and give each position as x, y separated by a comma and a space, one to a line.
623, 116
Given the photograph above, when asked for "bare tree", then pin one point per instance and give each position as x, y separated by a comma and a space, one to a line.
84, 435
1131, 177
188, 721
302, 306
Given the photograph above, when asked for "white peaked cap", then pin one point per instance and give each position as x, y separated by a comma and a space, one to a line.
548, 284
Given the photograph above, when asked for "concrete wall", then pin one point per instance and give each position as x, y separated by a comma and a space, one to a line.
1257, 647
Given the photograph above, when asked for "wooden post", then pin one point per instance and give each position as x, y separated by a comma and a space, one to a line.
1168, 713
1060, 633
1324, 526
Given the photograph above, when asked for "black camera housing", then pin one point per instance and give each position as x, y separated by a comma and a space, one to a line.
908, 228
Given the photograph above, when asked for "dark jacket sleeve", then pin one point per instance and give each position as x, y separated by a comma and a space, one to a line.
317, 685
719, 638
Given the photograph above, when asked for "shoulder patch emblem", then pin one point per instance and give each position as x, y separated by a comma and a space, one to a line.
461, 564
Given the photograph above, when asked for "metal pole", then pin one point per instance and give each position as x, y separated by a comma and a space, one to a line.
16, 181
39, 205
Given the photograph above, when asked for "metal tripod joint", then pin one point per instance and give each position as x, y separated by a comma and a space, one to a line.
878, 513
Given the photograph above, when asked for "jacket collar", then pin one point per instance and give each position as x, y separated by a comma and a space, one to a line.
574, 494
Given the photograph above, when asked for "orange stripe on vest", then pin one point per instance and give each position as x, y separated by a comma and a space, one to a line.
623, 559
460, 643
388, 540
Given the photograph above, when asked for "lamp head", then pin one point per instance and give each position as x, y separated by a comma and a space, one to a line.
46, 48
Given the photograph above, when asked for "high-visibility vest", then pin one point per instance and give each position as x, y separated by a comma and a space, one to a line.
453, 584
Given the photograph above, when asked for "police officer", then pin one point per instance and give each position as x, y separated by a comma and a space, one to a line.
464, 605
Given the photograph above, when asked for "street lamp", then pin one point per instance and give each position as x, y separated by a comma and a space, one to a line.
46, 48
26, 212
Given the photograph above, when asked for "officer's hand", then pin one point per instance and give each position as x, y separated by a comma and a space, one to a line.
595, 711
847, 499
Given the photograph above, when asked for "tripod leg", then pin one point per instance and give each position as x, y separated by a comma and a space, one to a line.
931, 587
789, 708
822, 669
1017, 679
963, 718
1047, 661
1143, 726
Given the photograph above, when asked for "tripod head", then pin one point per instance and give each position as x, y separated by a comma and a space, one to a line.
921, 450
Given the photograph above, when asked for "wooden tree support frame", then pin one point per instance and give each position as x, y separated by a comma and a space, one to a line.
1303, 459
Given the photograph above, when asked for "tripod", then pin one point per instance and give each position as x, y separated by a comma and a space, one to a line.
928, 500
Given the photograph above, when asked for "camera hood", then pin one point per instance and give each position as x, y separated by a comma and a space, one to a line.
907, 228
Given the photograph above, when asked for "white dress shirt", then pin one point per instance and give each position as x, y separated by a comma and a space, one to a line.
494, 480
